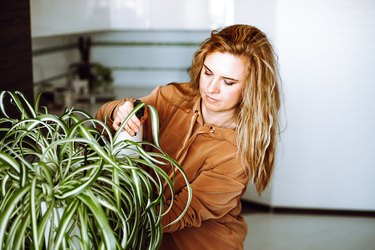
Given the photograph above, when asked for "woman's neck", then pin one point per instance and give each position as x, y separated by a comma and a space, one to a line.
222, 119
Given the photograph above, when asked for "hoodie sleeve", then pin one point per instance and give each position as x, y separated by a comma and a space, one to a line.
106, 111
215, 194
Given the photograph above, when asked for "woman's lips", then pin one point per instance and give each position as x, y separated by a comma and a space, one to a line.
212, 100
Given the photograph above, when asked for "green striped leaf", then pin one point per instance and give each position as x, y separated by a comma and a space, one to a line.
94, 174
64, 223
89, 199
6, 212
10, 161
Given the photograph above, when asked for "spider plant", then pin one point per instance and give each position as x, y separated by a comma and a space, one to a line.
63, 184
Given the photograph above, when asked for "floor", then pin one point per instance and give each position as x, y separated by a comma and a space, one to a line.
277, 231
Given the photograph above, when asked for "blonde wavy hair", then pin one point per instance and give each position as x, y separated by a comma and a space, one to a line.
258, 112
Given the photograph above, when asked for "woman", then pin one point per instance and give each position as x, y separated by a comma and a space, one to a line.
222, 128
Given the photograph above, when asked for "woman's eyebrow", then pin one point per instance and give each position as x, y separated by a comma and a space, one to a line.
207, 67
225, 77
231, 79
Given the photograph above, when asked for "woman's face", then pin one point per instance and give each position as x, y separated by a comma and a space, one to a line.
222, 79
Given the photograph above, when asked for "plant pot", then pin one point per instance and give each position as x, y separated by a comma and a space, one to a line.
54, 222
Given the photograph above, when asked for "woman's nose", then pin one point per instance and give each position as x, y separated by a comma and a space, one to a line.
213, 86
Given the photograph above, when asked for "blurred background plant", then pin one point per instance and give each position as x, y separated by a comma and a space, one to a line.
101, 79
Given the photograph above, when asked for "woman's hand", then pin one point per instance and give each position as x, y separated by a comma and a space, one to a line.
119, 115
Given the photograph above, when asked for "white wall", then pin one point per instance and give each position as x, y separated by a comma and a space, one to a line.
326, 53
259, 13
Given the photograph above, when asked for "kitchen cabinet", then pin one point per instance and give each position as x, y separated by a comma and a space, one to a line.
51, 18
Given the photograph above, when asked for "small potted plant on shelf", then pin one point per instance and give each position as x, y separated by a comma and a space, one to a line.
96, 76
63, 184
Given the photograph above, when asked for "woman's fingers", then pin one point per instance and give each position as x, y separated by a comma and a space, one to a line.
132, 127
116, 123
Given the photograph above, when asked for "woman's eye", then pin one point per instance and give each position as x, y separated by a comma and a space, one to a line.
208, 73
228, 83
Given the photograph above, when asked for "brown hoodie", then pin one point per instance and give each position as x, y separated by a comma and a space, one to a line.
209, 157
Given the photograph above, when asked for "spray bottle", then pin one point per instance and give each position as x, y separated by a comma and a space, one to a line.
130, 150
